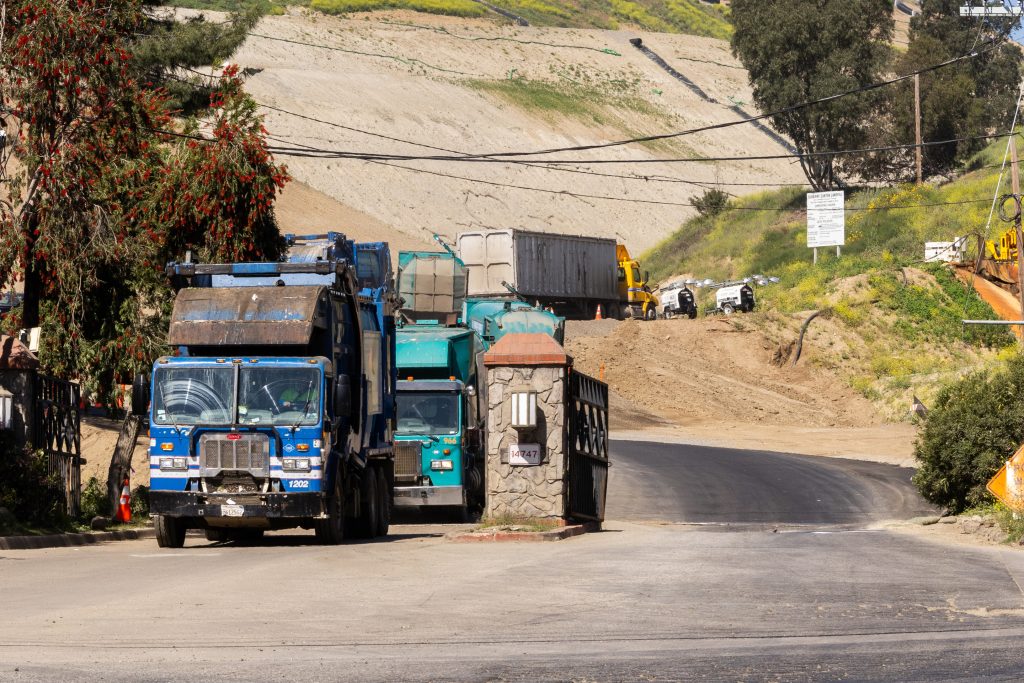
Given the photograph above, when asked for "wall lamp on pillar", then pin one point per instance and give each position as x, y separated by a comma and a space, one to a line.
6, 409
524, 409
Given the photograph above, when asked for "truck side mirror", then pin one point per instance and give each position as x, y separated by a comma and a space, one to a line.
342, 396
647, 276
140, 395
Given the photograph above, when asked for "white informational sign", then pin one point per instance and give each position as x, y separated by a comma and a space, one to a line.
527, 454
826, 219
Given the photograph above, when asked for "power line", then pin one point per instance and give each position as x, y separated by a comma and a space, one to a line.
439, 29
405, 60
579, 195
991, 45
472, 158
665, 136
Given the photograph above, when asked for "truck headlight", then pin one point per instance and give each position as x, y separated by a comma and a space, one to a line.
173, 464
442, 465
296, 464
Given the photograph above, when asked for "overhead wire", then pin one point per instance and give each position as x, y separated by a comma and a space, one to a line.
579, 195
473, 158
405, 60
991, 45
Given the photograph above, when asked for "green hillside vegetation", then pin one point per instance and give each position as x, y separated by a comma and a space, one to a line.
667, 16
893, 324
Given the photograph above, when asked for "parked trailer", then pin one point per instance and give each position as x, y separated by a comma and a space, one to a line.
573, 275
734, 298
678, 299
278, 409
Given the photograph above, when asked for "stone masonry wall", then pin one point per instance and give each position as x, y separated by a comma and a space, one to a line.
526, 491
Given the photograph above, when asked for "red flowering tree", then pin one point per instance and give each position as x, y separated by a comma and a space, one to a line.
97, 192
216, 194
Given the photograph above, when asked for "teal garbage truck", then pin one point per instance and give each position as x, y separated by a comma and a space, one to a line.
440, 415
441, 399
277, 409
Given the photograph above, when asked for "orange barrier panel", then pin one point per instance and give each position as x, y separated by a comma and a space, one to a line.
1002, 302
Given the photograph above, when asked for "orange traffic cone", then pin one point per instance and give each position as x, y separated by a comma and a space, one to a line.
124, 511
598, 316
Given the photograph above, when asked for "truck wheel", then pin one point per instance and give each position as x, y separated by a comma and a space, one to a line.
170, 531
651, 314
669, 314
369, 505
216, 535
693, 314
331, 531
728, 309
384, 509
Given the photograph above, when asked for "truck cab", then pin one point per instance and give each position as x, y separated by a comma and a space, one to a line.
634, 290
439, 430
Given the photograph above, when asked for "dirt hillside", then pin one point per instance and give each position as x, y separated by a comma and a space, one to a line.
713, 380
470, 86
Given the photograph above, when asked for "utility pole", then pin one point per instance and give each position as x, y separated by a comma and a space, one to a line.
1015, 179
917, 125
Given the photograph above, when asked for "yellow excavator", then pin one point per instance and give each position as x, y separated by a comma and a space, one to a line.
1003, 250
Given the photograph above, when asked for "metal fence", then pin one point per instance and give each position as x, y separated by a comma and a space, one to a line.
57, 434
588, 447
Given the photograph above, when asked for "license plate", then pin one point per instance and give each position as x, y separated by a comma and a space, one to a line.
232, 510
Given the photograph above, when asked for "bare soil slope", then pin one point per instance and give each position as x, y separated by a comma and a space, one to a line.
438, 83
712, 380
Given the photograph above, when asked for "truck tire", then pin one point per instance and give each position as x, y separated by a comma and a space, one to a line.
331, 531
369, 505
651, 313
170, 531
384, 510
693, 314
216, 535
728, 309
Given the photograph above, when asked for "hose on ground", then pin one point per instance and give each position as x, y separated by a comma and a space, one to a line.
803, 330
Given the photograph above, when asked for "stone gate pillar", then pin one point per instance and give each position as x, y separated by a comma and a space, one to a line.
526, 465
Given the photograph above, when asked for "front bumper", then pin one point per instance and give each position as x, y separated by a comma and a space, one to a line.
414, 496
264, 506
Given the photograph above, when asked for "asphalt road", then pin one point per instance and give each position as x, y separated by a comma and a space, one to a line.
804, 599
723, 486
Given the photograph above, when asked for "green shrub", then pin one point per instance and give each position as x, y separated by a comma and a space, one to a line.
27, 489
140, 502
969, 433
457, 8
95, 500
711, 203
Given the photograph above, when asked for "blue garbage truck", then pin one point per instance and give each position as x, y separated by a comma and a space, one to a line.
277, 409
442, 402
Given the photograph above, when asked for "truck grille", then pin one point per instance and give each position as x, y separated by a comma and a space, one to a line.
248, 453
407, 460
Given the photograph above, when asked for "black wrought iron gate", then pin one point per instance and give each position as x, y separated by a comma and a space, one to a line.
56, 433
587, 467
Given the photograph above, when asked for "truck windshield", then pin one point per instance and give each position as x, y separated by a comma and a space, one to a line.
421, 412
278, 396
193, 395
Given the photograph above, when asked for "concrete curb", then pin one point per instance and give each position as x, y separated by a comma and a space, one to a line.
485, 536
70, 540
